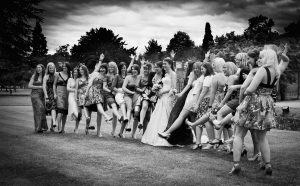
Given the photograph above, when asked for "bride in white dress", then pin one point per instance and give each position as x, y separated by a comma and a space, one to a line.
161, 113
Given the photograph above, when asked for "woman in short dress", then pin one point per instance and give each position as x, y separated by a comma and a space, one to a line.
257, 109
73, 108
108, 94
37, 99
142, 104
216, 96
130, 84
80, 89
48, 82
119, 97
94, 96
61, 95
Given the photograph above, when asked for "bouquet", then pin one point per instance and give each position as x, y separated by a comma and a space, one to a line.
154, 91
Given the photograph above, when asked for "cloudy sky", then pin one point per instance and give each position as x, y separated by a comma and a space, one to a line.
138, 21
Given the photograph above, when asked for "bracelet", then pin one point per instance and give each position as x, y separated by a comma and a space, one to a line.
47, 98
209, 106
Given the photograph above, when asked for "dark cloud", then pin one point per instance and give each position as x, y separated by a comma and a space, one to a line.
282, 11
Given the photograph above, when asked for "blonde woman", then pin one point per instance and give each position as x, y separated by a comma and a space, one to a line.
108, 94
257, 109
48, 82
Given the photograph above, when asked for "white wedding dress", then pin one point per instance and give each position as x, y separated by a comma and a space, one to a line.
159, 118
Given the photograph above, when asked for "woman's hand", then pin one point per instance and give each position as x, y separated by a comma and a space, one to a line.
55, 96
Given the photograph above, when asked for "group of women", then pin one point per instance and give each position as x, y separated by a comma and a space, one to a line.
223, 97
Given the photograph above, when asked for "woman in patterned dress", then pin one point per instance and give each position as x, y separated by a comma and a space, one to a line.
37, 99
48, 84
257, 109
216, 96
94, 96
80, 89
61, 95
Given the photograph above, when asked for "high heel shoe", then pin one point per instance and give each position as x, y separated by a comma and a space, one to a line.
196, 146
121, 136
255, 157
268, 170
88, 119
108, 119
244, 153
121, 119
140, 126
217, 142
217, 124
164, 135
208, 146
236, 169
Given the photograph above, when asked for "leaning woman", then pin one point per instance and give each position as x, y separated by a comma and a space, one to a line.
257, 109
37, 99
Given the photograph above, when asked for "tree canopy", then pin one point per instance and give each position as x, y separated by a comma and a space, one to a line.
98, 41
153, 51
181, 44
208, 39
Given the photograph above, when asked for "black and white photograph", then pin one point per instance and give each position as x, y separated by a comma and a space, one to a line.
149, 92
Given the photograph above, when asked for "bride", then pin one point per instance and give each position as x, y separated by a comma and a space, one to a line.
161, 113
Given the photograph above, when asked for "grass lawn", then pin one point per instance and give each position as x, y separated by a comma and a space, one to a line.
53, 159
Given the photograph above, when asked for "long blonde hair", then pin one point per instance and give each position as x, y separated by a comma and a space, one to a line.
243, 58
219, 64
47, 68
115, 66
232, 68
269, 59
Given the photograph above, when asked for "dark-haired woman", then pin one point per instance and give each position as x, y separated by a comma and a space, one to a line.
201, 105
119, 97
48, 82
183, 135
216, 96
142, 105
61, 95
73, 111
94, 97
161, 113
37, 99
108, 94
80, 89
130, 84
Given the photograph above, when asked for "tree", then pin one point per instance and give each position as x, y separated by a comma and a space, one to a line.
16, 31
180, 44
153, 51
208, 39
39, 43
293, 29
98, 41
260, 29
